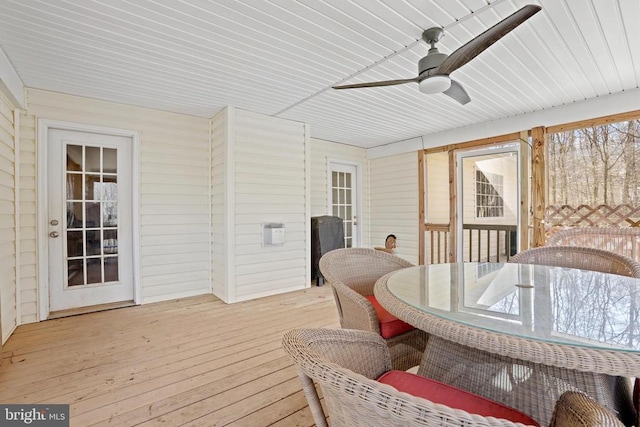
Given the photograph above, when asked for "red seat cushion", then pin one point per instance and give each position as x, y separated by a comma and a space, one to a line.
452, 397
390, 325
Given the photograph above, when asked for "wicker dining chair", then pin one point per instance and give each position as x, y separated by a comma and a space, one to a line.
579, 257
353, 369
352, 273
621, 240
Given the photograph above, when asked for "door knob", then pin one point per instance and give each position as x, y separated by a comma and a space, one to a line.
54, 234
54, 222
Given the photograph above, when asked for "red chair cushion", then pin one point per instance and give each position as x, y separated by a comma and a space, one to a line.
390, 325
452, 397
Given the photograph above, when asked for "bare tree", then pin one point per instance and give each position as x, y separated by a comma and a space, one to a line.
605, 151
597, 165
561, 146
629, 134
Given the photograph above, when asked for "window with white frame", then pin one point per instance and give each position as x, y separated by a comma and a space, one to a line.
489, 190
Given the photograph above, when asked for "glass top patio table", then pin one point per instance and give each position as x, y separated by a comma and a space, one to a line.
553, 305
488, 305
534, 326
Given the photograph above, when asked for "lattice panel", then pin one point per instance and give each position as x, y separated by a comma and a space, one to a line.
624, 215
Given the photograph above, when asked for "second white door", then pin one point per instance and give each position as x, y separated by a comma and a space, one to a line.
343, 199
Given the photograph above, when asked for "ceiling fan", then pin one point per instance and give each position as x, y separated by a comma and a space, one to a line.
434, 69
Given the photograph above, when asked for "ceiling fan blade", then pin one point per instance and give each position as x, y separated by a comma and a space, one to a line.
476, 46
457, 92
382, 83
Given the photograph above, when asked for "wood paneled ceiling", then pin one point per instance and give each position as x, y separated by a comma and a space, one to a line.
281, 57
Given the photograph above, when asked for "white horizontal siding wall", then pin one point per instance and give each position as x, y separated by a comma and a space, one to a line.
8, 258
270, 186
394, 202
321, 152
219, 135
174, 188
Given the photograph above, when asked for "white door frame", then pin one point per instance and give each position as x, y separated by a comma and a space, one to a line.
358, 235
506, 147
42, 215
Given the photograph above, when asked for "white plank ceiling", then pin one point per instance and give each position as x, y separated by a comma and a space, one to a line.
281, 57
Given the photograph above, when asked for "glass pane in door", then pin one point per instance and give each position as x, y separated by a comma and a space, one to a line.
92, 215
342, 203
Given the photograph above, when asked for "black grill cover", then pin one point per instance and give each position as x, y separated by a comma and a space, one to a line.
327, 234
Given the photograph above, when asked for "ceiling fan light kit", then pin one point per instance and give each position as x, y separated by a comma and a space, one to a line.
435, 84
435, 68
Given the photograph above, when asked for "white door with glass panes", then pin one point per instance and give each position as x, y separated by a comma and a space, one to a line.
488, 203
343, 200
89, 219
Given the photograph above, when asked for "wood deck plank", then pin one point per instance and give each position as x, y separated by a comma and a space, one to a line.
200, 344
194, 361
278, 411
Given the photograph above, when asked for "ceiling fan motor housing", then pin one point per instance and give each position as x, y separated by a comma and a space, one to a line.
432, 60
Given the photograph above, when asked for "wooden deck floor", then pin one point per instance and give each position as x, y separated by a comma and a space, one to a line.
195, 361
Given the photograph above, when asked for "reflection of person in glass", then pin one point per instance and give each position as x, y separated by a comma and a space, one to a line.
389, 244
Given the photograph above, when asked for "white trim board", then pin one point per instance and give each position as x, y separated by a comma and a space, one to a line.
230, 200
